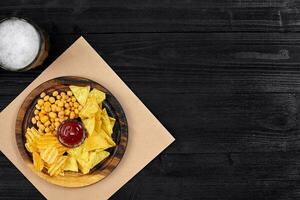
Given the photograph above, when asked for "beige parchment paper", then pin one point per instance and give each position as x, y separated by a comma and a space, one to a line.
147, 136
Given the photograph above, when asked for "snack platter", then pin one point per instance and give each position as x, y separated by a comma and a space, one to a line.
71, 131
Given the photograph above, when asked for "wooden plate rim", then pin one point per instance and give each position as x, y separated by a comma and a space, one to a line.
72, 179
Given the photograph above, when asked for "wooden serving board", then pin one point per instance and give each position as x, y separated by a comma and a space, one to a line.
120, 132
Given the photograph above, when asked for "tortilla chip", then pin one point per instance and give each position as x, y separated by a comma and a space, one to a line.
98, 122
97, 157
71, 164
89, 125
106, 124
80, 93
89, 109
99, 95
97, 141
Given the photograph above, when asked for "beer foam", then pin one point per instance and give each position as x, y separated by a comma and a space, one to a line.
19, 44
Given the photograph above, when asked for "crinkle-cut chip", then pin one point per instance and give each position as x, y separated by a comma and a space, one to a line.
46, 165
46, 141
99, 95
35, 132
38, 163
98, 121
89, 124
31, 147
89, 109
106, 124
61, 149
57, 167
49, 155
31, 135
71, 164
97, 141
80, 93
97, 157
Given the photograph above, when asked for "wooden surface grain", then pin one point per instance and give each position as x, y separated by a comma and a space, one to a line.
222, 76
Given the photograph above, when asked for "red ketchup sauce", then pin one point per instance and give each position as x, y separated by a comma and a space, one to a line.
71, 133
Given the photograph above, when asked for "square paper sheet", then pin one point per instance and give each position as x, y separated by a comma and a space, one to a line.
147, 136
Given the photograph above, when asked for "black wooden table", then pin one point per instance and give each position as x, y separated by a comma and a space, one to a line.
222, 76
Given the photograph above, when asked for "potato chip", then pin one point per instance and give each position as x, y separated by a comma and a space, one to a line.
89, 109
35, 132
49, 155
71, 164
97, 157
89, 124
99, 95
37, 161
61, 149
57, 167
31, 147
47, 140
31, 135
106, 122
80, 93
97, 141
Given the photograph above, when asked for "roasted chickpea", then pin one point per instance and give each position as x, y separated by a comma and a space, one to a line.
43, 94
76, 111
47, 123
38, 124
73, 99
36, 112
33, 120
52, 100
67, 112
47, 129
67, 105
51, 128
69, 93
58, 109
52, 115
56, 124
76, 105
37, 117
44, 118
58, 97
40, 102
46, 98
60, 104
72, 115
47, 109
55, 93
38, 107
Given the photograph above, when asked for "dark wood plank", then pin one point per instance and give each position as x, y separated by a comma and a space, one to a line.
236, 63
271, 175
91, 16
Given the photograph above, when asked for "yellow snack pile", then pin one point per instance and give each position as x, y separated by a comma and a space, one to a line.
49, 154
